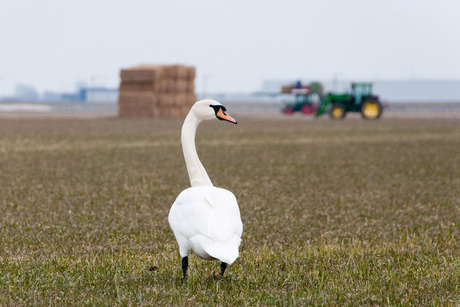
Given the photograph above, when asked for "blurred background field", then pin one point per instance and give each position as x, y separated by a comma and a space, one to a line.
350, 213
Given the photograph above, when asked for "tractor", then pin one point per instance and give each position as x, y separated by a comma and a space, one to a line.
307, 98
305, 102
336, 105
359, 100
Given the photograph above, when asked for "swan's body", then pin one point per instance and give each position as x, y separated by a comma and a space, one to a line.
205, 219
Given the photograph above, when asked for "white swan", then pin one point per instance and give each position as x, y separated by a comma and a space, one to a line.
204, 218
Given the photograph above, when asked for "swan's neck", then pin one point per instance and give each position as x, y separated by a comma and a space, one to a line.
196, 171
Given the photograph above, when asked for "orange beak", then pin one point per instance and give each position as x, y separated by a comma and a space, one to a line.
224, 116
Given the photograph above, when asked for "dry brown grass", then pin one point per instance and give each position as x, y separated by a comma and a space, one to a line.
337, 213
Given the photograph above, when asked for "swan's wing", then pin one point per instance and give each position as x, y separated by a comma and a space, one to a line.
188, 214
224, 219
209, 211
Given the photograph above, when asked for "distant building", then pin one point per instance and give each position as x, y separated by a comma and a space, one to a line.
51, 96
102, 94
96, 94
24, 92
80, 95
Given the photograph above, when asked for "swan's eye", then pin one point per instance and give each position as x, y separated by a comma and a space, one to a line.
218, 107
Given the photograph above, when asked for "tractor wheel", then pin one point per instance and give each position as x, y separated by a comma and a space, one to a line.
337, 111
288, 111
371, 109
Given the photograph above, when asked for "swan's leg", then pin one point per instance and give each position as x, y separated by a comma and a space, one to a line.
223, 266
184, 267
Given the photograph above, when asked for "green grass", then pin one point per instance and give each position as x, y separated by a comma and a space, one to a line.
335, 213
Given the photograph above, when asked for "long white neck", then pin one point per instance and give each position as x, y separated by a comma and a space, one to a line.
196, 171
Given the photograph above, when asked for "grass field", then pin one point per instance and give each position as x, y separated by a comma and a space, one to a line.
335, 213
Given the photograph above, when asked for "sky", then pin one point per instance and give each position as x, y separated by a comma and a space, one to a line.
234, 44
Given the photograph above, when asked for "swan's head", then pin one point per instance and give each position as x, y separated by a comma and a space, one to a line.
209, 109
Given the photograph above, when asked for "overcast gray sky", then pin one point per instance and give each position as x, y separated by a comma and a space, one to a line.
235, 44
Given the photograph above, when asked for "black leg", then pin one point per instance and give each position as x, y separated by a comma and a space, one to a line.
184, 267
223, 266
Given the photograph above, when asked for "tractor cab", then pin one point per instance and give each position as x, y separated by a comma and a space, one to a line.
360, 90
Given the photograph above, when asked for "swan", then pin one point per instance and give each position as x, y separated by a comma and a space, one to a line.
204, 219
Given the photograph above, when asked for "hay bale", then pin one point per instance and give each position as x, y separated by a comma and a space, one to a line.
156, 91
144, 86
175, 71
165, 100
136, 104
191, 73
190, 86
138, 98
142, 73
175, 86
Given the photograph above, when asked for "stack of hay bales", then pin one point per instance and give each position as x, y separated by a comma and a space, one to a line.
159, 91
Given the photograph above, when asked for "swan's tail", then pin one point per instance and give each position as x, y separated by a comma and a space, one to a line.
224, 251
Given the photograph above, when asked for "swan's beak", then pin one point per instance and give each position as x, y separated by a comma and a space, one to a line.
224, 116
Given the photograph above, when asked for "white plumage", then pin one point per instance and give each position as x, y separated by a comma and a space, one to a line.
205, 219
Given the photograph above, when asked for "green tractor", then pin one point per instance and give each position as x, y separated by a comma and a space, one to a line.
359, 100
